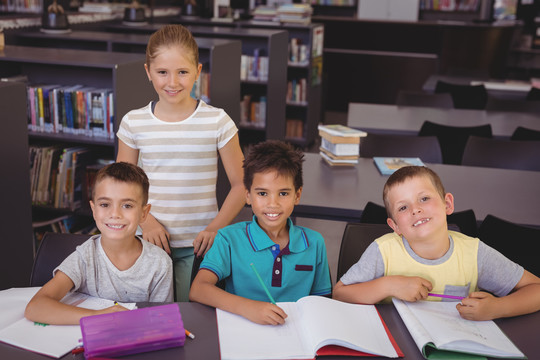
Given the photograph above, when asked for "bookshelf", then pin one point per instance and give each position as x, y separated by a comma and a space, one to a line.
218, 56
16, 257
121, 72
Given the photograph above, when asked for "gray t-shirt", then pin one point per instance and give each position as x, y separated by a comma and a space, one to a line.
150, 278
496, 273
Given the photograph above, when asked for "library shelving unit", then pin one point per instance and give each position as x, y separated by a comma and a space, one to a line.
218, 56
16, 257
121, 72
273, 43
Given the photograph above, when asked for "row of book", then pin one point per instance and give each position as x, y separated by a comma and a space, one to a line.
294, 128
285, 13
21, 6
201, 88
298, 52
253, 111
77, 109
58, 175
340, 145
334, 2
254, 68
449, 5
297, 91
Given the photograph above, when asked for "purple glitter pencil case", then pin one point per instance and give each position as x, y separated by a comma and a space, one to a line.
134, 331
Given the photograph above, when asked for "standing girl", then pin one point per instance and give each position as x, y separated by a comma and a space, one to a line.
176, 140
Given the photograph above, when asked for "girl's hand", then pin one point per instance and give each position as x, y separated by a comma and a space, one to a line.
155, 233
203, 242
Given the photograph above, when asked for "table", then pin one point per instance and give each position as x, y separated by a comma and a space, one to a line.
201, 320
340, 193
407, 120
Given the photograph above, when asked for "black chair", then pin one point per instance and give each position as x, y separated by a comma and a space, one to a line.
425, 99
195, 269
512, 105
462, 221
388, 145
517, 242
453, 139
502, 154
533, 94
523, 133
464, 96
356, 239
53, 249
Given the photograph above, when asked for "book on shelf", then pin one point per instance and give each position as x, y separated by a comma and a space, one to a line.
340, 149
441, 333
314, 325
338, 161
388, 165
294, 128
337, 133
51, 340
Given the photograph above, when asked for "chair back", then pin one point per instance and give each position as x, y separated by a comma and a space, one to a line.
462, 221
425, 99
464, 96
356, 239
512, 105
533, 94
195, 269
523, 133
517, 242
453, 139
53, 249
503, 154
388, 145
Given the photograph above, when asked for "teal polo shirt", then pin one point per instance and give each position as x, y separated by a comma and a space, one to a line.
298, 270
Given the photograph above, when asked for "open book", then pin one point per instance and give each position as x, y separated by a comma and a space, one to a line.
439, 332
51, 340
313, 322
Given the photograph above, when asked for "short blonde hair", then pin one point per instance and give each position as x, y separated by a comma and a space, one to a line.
169, 36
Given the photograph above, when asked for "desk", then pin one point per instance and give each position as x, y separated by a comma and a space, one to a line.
200, 319
407, 120
340, 193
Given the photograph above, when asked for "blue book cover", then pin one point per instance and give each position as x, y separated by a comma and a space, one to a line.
387, 165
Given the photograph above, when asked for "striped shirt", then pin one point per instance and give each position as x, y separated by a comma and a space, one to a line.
181, 162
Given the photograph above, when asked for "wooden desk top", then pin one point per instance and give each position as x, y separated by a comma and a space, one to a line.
201, 320
340, 193
393, 119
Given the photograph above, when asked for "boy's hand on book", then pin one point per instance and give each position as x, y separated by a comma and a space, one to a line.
111, 309
478, 306
155, 233
410, 288
264, 313
203, 242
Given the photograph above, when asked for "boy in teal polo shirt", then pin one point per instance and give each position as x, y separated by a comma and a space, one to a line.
291, 260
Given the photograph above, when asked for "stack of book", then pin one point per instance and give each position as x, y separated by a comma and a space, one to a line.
295, 13
340, 145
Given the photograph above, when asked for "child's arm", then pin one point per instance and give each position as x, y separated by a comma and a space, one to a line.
45, 307
408, 288
153, 231
205, 291
524, 299
232, 158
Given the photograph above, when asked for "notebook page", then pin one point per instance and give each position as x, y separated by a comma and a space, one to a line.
417, 331
331, 322
450, 331
240, 338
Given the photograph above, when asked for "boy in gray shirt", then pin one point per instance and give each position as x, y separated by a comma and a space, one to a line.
115, 265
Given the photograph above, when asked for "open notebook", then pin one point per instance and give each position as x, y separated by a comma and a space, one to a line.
50, 340
314, 326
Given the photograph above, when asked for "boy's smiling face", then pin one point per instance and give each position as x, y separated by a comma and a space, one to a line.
118, 208
272, 198
418, 211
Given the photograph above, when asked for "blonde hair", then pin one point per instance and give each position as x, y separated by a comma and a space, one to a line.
169, 36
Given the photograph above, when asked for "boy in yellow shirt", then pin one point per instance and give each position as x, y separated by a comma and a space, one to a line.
422, 256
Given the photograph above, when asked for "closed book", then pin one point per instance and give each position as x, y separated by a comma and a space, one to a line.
340, 134
339, 149
388, 165
336, 157
132, 332
338, 162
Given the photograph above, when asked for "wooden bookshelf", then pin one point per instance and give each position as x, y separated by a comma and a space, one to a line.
218, 56
16, 257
